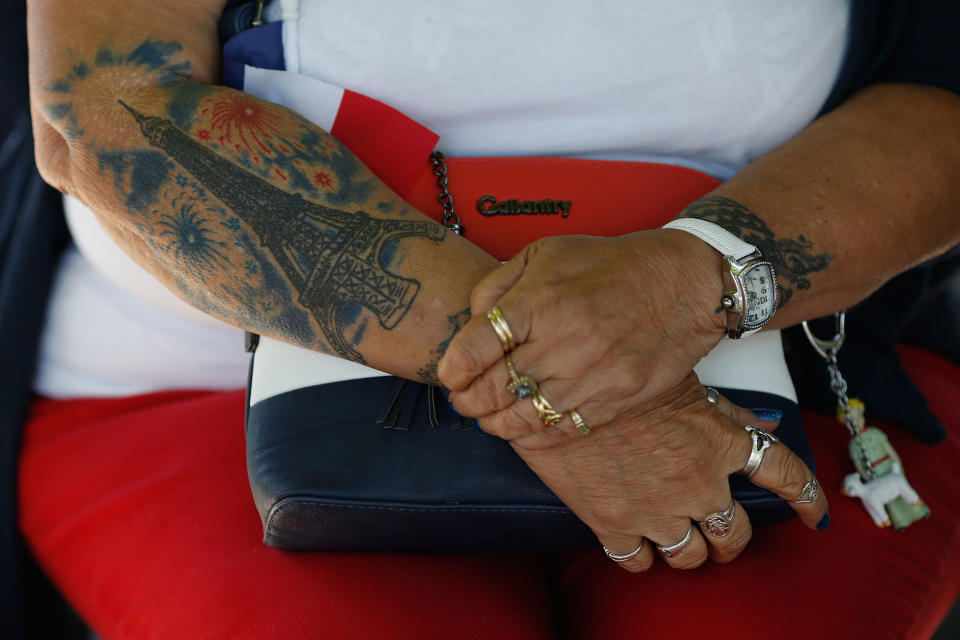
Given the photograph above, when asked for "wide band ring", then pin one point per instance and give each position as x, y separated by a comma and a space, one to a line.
520, 386
810, 493
671, 550
502, 329
616, 557
545, 411
760, 442
579, 423
718, 524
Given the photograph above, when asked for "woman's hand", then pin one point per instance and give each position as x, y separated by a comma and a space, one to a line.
602, 324
661, 465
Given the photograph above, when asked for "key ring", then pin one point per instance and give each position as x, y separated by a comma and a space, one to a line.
823, 347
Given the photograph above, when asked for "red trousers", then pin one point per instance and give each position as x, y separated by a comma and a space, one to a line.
140, 511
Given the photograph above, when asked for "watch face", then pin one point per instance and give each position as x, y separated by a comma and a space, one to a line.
760, 293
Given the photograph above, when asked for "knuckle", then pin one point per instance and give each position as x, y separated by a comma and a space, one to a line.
615, 515
464, 359
736, 449
454, 369
505, 425
589, 331
622, 384
687, 561
732, 548
481, 298
727, 554
638, 371
486, 394
543, 299
494, 426
461, 404
638, 565
791, 475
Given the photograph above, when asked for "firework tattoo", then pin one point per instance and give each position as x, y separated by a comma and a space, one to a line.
227, 184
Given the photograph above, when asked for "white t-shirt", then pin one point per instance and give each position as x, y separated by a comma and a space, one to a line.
711, 86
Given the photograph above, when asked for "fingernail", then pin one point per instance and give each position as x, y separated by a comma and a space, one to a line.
824, 522
770, 415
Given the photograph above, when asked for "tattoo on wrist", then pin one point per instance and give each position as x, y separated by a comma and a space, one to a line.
428, 372
792, 258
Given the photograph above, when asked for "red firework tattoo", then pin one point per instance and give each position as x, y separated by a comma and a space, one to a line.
242, 122
323, 179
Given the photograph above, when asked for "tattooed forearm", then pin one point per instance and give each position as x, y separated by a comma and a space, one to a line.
792, 258
428, 372
254, 214
332, 258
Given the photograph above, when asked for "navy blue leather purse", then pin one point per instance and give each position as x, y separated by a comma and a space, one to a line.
385, 464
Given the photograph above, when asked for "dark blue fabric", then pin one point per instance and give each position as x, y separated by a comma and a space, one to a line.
906, 41
32, 235
259, 47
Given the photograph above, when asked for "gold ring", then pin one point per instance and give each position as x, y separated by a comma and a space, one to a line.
545, 411
520, 386
499, 323
579, 423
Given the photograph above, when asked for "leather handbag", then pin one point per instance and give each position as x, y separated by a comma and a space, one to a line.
385, 464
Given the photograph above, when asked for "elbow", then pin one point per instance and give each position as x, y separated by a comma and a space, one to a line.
52, 153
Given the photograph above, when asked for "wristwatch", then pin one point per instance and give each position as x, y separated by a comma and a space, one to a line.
750, 286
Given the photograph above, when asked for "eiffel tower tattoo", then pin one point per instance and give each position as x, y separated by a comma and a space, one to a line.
331, 257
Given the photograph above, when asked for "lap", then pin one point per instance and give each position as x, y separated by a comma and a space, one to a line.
140, 511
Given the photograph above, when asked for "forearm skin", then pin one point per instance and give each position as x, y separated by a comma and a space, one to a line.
248, 211
864, 193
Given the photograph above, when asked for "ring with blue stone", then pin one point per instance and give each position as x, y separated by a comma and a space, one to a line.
520, 386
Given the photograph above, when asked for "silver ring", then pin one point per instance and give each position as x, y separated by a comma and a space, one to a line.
810, 493
760, 442
713, 396
671, 550
622, 557
718, 524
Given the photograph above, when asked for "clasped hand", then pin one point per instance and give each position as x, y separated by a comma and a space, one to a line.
611, 328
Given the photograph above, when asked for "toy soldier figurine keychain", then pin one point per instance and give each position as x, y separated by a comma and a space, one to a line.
879, 480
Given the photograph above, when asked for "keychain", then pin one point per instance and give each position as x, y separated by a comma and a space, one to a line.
879, 480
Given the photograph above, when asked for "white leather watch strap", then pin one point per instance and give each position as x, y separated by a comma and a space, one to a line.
714, 235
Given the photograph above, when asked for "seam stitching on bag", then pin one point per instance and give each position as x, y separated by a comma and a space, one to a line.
275, 511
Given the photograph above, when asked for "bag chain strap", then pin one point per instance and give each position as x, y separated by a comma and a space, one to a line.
445, 198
